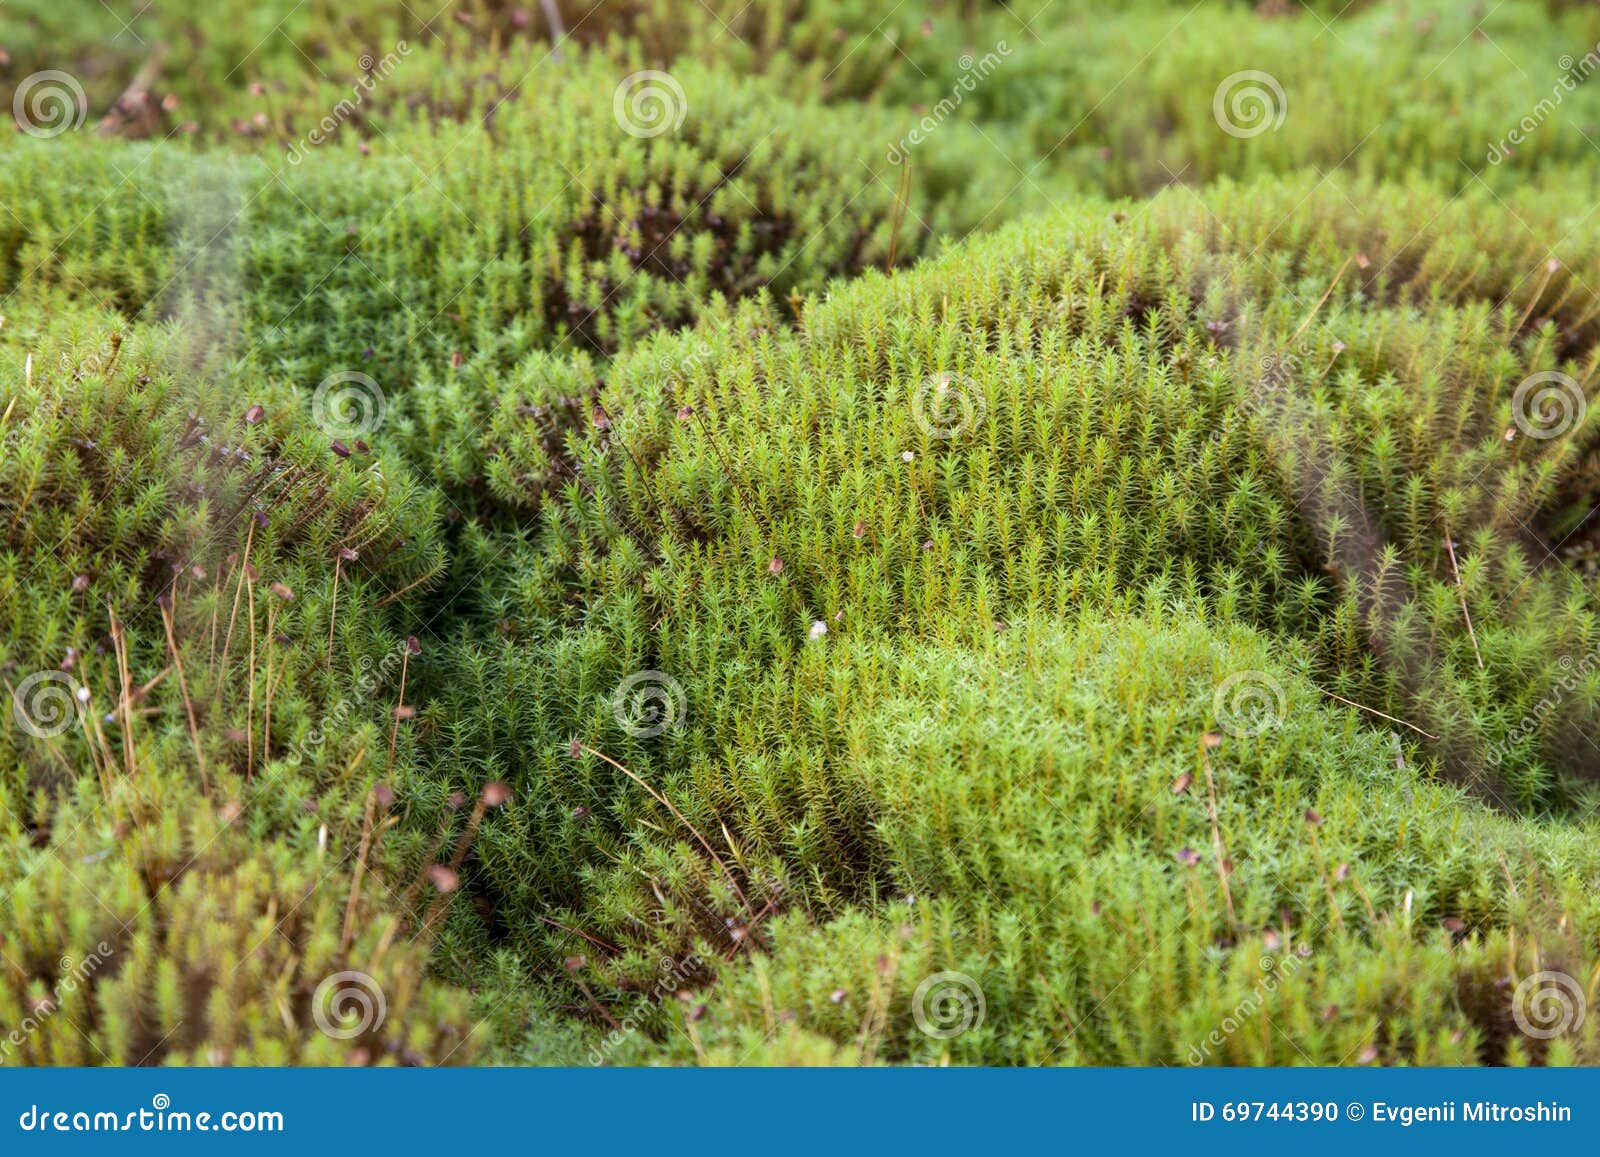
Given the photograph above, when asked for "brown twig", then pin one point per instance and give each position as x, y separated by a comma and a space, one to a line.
1380, 714
399, 710
1327, 293
167, 614
349, 931
668, 804
558, 30
333, 612
136, 97
238, 590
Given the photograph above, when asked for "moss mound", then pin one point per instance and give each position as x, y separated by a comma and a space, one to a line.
724, 537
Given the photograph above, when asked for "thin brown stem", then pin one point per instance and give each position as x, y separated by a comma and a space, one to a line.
1379, 714
349, 930
394, 730
1461, 592
238, 590
668, 804
167, 614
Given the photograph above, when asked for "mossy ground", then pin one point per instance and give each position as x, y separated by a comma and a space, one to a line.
927, 538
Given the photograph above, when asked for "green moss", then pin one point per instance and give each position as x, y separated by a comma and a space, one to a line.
1171, 619
184, 935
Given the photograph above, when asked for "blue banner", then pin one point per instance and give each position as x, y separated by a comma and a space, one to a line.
925, 1111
